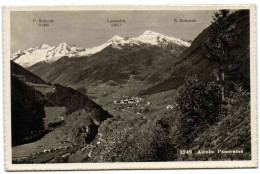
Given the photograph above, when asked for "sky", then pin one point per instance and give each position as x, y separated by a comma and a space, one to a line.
90, 28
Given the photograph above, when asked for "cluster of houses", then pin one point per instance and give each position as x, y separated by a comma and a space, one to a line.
132, 100
136, 100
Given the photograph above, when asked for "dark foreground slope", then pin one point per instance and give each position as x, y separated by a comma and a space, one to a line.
27, 112
30, 94
193, 61
230, 138
25, 75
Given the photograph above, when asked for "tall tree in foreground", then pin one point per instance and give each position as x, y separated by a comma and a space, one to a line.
220, 44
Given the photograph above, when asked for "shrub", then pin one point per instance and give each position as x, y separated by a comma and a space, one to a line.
131, 141
231, 133
200, 105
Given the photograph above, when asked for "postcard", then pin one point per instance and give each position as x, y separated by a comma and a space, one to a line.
130, 87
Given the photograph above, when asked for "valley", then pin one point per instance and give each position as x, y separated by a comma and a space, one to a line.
138, 99
146, 110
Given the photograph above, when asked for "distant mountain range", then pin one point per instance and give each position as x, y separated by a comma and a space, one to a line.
116, 60
162, 62
46, 53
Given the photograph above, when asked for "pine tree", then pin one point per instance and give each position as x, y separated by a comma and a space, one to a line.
220, 44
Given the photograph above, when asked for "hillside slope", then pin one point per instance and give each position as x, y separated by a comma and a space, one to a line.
193, 61
30, 94
25, 75
27, 109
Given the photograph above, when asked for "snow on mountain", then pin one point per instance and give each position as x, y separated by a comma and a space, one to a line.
46, 53
154, 38
31, 56
148, 37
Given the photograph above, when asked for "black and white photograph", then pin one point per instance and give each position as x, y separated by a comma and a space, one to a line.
131, 85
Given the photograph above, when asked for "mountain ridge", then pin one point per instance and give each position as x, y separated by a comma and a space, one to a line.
192, 60
31, 94
49, 54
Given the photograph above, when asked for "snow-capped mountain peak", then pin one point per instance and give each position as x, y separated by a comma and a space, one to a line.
154, 38
43, 46
47, 53
18, 54
116, 42
147, 37
149, 33
62, 45
115, 38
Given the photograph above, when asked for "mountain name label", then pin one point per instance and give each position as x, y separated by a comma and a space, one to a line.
116, 22
43, 22
185, 20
